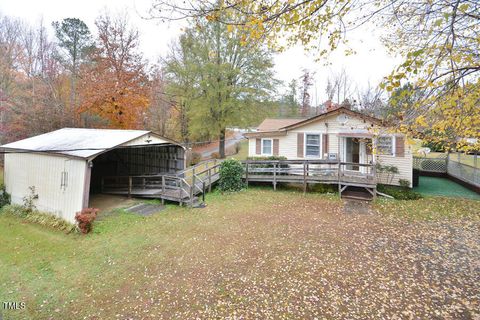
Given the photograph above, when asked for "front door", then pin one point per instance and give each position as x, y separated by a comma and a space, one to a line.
354, 152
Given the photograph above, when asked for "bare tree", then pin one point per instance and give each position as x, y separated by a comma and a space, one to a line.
372, 101
339, 87
306, 82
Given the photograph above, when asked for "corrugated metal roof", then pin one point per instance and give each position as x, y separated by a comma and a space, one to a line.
77, 142
275, 124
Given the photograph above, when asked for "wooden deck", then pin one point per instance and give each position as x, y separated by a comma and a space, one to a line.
184, 187
187, 186
305, 172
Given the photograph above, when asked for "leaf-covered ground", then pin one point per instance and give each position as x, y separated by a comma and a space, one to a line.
257, 254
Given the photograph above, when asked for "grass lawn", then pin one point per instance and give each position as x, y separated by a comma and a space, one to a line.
257, 254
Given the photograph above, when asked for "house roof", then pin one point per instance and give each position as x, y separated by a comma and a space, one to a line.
333, 112
79, 142
280, 126
275, 124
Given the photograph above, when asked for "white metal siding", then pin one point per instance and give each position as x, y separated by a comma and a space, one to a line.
142, 141
43, 171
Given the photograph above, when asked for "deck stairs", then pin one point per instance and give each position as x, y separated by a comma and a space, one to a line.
187, 187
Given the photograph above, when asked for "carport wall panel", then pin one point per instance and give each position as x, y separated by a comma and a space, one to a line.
44, 171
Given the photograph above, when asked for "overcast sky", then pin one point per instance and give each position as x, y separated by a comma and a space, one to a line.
370, 63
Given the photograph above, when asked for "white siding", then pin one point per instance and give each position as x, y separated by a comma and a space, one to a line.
23, 170
404, 165
288, 143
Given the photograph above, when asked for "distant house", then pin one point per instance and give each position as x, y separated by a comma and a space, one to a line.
66, 166
339, 134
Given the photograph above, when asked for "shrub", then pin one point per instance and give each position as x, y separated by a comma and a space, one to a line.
29, 201
231, 172
399, 193
195, 158
389, 171
404, 183
4, 197
85, 219
324, 188
37, 217
267, 158
266, 166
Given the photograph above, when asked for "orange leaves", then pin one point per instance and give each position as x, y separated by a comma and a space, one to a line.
115, 87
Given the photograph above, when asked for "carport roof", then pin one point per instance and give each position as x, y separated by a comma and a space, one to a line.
79, 142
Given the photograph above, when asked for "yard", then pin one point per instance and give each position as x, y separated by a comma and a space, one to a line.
256, 254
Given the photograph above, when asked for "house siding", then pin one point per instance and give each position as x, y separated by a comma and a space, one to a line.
404, 165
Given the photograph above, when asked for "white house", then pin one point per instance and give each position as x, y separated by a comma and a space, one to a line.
67, 165
339, 134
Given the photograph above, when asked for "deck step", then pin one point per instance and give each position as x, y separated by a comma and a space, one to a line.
357, 195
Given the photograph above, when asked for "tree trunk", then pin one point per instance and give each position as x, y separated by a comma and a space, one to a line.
221, 145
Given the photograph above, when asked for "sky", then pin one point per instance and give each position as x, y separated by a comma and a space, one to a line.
369, 65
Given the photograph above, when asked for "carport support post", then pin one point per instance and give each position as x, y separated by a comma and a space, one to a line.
129, 187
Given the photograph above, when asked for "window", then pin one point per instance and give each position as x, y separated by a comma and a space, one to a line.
385, 145
312, 145
267, 147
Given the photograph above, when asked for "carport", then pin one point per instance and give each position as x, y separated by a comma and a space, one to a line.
65, 167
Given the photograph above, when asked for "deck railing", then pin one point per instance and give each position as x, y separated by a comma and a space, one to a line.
310, 171
182, 186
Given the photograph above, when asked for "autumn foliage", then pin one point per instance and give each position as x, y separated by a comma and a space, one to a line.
85, 219
115, 86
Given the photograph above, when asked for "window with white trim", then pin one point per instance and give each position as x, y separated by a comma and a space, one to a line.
312, 145
267, 147
385, 145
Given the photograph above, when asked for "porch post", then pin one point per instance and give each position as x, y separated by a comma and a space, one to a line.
304, 177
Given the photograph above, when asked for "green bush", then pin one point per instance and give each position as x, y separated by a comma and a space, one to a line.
324, 188
404, 183
231, 172
266, 166
4, 197
267, 158
37, 217
399, 193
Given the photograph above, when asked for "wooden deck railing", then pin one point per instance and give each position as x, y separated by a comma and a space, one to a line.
310, 171
182, 186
